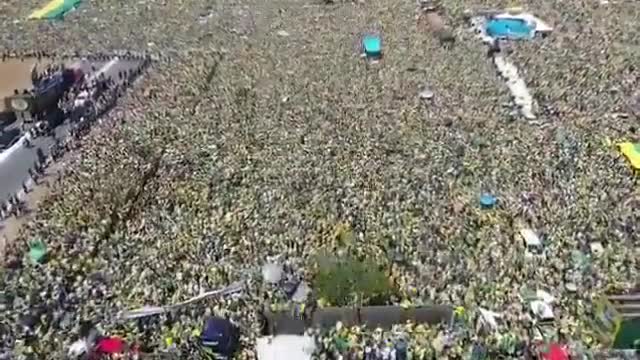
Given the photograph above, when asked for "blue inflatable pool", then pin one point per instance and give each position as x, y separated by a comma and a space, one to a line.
510, 29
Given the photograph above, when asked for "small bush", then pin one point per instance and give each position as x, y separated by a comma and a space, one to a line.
349, 281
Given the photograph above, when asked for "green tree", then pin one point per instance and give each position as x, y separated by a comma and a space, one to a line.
349, 281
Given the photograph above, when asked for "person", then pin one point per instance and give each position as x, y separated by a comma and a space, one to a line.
18, 205
40, 156
57, 150
32, 174
28, 138
494, 48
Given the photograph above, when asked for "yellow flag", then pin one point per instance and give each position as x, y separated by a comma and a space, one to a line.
632, 152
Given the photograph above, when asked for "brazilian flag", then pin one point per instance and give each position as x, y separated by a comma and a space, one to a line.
607, 321
56, 9
632, 152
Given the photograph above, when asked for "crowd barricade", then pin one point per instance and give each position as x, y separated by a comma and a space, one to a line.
294, 323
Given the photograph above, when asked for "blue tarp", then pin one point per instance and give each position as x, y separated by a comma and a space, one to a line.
510, 29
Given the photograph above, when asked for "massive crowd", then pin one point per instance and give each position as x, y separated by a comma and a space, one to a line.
260, 129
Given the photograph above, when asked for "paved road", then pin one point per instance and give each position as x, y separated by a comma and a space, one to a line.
15, 163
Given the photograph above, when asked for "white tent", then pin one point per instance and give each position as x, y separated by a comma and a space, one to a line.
290, 347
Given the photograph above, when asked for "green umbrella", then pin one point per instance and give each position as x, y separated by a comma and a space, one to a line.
342, 344
37, 251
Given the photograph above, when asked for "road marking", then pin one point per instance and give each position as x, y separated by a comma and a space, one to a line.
89, 93
8, 152
105, 68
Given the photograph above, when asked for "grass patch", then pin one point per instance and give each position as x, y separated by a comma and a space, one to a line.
346, 281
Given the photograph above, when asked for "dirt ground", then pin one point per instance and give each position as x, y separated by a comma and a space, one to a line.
16, 74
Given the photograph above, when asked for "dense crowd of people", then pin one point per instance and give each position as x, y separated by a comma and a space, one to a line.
256, 133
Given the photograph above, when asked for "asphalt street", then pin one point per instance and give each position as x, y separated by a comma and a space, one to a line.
15, 163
